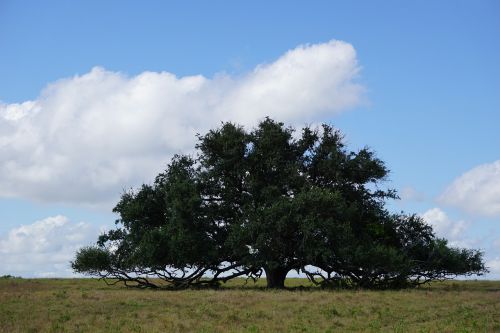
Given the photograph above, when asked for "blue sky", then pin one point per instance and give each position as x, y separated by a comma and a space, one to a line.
96, 96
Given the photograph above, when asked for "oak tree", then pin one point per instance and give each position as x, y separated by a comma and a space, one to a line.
270, 201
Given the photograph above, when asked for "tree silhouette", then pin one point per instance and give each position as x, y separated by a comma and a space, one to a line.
268, 201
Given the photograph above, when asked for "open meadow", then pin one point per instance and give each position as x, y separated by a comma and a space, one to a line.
87, 305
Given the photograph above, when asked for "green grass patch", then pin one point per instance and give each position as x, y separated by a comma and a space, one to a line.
88, 305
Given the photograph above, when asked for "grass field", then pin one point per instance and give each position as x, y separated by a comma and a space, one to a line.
86, 305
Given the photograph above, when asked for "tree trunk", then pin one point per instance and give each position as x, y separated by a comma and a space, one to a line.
276, 277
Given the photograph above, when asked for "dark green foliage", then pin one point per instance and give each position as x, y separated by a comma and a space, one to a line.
9, 277
267, 201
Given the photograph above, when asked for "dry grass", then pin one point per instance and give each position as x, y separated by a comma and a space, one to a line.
86, 305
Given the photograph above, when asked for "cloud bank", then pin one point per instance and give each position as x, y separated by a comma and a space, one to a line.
86, 138
476, 191
44, 248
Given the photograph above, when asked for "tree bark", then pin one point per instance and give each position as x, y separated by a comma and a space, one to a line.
276, 277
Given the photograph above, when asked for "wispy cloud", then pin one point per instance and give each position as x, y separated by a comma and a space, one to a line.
409, 193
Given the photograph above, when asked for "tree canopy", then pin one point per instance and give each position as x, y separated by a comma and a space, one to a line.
271, 200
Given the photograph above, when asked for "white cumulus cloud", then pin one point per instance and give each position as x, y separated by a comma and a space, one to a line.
457, 232
494, 266
87, 137
476, 191
44, 248
444, 227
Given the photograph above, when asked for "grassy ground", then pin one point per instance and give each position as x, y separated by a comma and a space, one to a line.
85, 305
